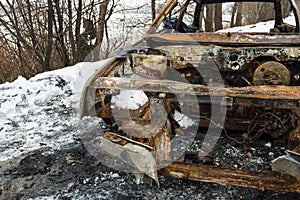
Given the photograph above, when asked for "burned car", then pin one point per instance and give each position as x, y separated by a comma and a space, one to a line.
180, 83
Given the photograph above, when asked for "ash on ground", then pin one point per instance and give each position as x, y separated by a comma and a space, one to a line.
42, 155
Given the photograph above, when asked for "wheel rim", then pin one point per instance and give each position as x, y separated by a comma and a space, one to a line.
271, 73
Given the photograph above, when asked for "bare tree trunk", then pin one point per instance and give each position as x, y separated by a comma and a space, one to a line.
61, 46
239, 14
153, 9
108, 42
209, 18
218, 17
70, 30
2, 77
197, 23
101, 24
47, 66
22, 62
233, 13
259, 10
236, 15
78, 21
30, 24
77, 54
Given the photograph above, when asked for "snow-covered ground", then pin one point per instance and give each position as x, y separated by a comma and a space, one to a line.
36, 113
262, 27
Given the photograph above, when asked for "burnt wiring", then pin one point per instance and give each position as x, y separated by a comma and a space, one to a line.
247, 136
224, 130
261, 131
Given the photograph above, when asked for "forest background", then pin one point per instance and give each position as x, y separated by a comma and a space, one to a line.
43, 35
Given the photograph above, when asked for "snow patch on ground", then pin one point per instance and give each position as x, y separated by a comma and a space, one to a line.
41, 112
262, 27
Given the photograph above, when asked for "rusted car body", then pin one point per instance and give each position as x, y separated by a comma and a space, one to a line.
249, 82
